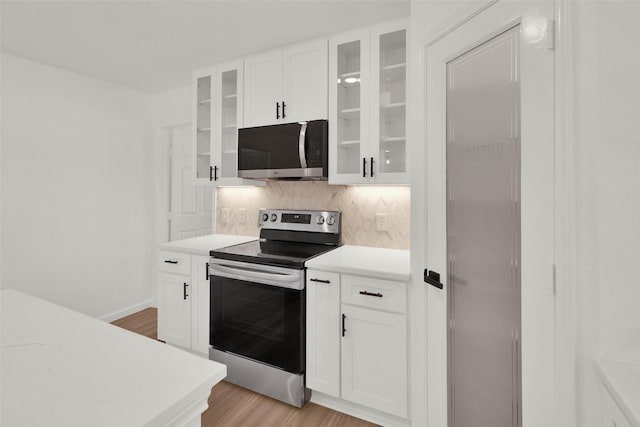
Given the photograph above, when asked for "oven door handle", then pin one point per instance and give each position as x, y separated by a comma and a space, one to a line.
284, 278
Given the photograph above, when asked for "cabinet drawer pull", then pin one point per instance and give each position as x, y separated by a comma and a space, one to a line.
170, 261
313, 279
184, 290
344, 328
371, 294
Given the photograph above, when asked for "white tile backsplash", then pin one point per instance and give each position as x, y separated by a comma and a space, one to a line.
358, 204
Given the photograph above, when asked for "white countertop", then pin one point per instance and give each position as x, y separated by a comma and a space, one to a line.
62, 368
203, 244
620, 372
390, 264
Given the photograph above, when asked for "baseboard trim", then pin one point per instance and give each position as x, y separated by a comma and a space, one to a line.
358, 411
126, 311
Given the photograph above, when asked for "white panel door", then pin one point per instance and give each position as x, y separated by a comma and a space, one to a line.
374, 359
323, 332
190, 210
305, 81
174, 309
536, 208
263, 89
200, 304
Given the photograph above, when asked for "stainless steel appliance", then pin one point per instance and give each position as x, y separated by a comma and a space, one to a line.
258, 301
294, 151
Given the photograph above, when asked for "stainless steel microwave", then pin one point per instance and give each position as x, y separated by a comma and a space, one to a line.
293, 151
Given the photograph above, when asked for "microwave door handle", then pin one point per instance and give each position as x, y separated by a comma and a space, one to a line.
301, 145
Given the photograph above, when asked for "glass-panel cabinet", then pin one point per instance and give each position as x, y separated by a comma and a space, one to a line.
367, 105
217, 115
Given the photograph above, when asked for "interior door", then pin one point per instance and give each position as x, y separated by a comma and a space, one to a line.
502, 192
190, 206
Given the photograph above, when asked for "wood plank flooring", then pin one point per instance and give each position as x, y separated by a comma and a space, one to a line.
233, 406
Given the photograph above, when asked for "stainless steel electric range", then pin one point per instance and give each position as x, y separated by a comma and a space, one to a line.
258, 301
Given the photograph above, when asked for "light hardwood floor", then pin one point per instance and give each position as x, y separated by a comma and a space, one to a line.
233, 406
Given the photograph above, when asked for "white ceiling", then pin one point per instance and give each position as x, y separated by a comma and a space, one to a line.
154, 45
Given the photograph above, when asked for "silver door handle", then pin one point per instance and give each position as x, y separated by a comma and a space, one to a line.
301, 144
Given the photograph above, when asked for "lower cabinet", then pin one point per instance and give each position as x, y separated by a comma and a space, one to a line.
183, 301
612, 415
357, 345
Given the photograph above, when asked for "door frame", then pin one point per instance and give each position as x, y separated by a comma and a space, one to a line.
566, 14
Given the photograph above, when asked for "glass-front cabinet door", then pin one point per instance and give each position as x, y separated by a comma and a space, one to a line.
367, 105
349, 108
217, 116
389, 112
202, 122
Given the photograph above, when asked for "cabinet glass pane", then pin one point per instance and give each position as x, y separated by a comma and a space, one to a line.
203, 127
348, 89
393, 83
229, 123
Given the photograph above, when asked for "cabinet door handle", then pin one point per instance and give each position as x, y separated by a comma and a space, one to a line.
371, 294
313, 279
364, 167
210, 173
432, 278
207, 272
170, 261
184, 290
283, 113
215, 173
344, 328
277, 110
371, 166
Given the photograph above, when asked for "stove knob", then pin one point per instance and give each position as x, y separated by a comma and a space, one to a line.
331, 220
274, 217
265, 217
320, 220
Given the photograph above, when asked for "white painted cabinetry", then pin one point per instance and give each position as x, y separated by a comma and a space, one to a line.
217, 116
357, 345
287, 85
367, 105
183, 301
612, 415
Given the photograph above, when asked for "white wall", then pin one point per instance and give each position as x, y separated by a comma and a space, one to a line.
608, 126
77, 197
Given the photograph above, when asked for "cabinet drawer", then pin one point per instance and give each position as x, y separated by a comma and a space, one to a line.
174, 262
374, 293
315, 277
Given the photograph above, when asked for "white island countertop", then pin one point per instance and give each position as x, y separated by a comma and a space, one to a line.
62, 368
203, 244
389, 264
620, 373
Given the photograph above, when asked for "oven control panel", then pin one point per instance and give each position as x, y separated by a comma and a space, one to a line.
295, 220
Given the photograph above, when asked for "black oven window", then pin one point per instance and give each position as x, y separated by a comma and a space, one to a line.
260, 322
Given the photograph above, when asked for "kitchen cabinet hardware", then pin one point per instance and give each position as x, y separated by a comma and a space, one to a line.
364, 167
344, 328
184, 291
371, 294
277, 110
283, 113
328, 282
170, 261
432, 278
210, 173
371, 166
207, 271
215, 173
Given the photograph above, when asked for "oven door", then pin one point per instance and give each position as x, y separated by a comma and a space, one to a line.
258, 312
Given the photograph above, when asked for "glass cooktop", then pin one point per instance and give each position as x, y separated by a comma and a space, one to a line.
270, 252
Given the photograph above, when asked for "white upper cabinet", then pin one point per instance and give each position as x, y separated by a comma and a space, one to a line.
287, 85
218, 113
367, 106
